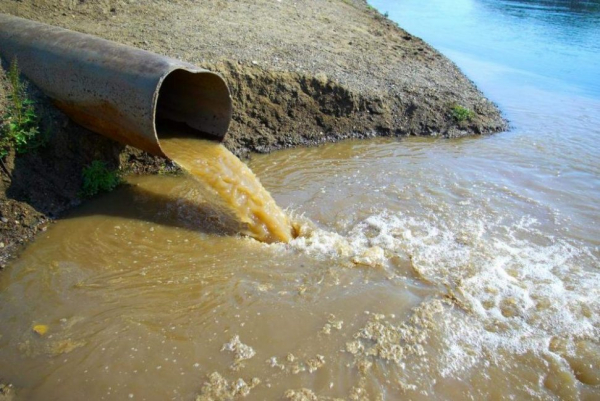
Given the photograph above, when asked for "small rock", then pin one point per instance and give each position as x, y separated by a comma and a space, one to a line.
40, 329
4, 220
6, 392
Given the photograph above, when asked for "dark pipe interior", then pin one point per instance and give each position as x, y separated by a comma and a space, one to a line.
194, 104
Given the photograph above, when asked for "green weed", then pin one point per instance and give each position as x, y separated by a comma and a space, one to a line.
20, 128
460, 113
98, 178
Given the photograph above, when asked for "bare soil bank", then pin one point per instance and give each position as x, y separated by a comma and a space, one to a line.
301, 73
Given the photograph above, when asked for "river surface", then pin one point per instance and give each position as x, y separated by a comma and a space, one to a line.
424, 268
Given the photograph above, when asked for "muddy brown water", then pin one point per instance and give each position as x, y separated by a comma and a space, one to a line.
413, 277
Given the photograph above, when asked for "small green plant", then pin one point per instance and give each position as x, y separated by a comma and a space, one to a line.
98, 178
386, 14
20, 128
460, 113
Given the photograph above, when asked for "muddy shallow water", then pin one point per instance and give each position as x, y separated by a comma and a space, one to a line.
414, 276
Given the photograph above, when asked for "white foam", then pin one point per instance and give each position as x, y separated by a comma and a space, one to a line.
520, 286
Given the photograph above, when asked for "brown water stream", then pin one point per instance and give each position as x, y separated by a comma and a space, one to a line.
230, 185
412, 278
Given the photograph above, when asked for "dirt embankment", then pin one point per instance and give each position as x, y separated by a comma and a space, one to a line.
301, 73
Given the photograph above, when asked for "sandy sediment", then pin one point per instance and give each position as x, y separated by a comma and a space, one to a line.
300, 73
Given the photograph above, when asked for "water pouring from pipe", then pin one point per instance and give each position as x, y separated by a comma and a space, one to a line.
137, 98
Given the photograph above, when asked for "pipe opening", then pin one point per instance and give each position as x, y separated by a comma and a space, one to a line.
196, 104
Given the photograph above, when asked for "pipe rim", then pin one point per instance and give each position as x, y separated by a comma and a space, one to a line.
194, 72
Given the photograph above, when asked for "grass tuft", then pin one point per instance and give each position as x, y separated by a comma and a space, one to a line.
460, 113
98, 178
20, 127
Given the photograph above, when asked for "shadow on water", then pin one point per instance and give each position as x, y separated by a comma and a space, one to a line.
134, 201
574, 6
562, 14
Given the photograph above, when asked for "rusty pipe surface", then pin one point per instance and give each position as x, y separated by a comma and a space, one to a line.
115, 90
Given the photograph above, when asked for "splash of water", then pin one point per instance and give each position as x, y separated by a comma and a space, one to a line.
230, 185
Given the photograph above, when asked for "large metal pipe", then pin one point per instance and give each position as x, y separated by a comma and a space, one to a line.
116, 90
